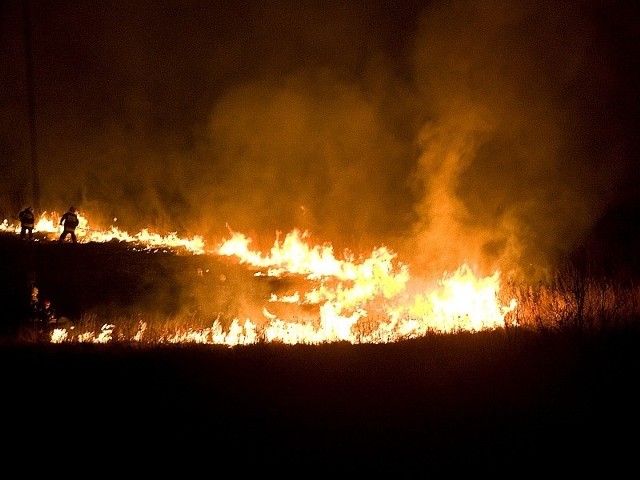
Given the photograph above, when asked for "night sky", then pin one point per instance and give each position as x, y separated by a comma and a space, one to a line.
497, 133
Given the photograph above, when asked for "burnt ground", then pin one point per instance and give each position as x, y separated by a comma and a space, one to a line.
118, 279
505, 403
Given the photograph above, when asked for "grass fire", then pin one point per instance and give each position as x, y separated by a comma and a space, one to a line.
300, 292
314, 295
344, 238
308, 357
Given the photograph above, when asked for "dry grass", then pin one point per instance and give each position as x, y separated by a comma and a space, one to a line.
514, 400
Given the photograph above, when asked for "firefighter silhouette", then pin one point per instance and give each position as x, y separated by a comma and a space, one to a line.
27, 221
48, 314
70, 222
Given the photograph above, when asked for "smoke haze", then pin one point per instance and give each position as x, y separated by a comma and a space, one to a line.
482, 132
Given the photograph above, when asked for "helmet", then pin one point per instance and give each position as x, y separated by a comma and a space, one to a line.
72, 209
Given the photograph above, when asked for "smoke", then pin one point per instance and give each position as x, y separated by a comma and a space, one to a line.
310, 152
487, 133
518, 159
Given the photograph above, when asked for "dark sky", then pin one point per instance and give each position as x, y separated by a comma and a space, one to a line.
491, 132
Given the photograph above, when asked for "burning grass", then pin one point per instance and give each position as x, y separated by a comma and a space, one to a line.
430, 404
154, 289
157, 353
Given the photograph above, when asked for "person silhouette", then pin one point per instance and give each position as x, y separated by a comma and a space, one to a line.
27, 221
70, 222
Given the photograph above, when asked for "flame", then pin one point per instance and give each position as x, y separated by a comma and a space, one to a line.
48, 226
366, 299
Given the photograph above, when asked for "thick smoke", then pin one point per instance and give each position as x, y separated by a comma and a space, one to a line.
489, 133
523, 151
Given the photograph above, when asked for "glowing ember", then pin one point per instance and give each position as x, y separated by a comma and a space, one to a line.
357, 300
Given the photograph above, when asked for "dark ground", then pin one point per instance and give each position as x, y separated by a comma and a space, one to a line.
486, 403
113, 279
437, 404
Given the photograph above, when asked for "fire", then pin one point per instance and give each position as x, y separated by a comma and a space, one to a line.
48, 226
366, 299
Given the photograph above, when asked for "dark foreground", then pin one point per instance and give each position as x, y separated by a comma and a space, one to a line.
502, 404
467, 402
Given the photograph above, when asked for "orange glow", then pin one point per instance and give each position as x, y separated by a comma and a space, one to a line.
48, 226
370, 299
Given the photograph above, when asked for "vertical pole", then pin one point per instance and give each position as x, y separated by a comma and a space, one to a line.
35, 181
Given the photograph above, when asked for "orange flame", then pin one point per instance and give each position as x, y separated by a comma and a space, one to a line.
358, 300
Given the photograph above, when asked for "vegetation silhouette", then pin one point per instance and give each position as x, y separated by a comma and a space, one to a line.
554, 389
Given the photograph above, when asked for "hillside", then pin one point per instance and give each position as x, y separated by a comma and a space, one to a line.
116, 279
445, 403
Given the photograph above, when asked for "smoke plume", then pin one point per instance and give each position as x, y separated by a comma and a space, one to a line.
490, 133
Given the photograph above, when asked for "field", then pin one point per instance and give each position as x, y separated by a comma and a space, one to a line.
511, 402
